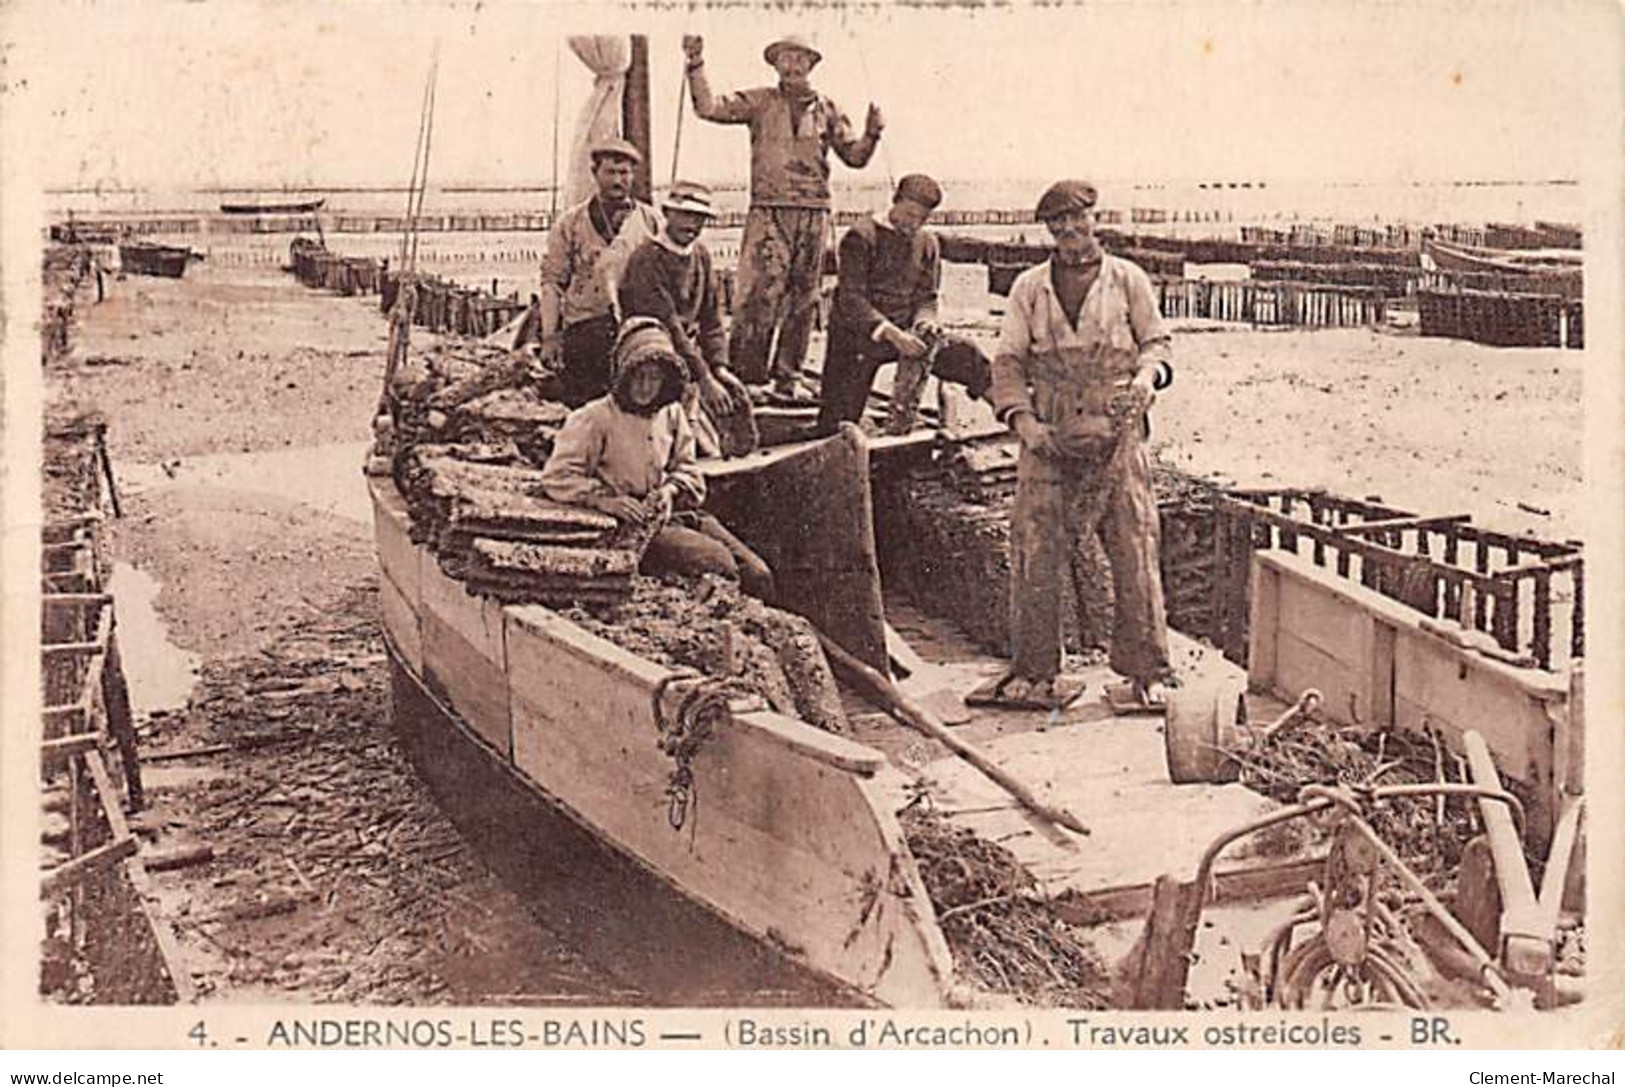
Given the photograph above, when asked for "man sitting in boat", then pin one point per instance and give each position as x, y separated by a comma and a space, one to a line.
885, 311
670, 277
584, 248
1081, 355
631, 454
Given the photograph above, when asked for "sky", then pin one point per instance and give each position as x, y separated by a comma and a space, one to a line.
153, 94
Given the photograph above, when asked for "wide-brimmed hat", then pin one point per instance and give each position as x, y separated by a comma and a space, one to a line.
791, 41
689, 196
614, 145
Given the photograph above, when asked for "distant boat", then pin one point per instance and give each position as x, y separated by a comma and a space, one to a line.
151, 259
290, 207
1467, 258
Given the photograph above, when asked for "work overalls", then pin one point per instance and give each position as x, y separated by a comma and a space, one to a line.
1101, 480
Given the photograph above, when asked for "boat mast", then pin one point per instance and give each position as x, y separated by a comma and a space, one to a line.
635, 117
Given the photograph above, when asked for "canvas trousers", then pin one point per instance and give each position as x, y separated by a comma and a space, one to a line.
781, 268
694, 542
1060, 502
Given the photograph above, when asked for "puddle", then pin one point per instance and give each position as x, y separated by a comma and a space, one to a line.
325, 477
160, 674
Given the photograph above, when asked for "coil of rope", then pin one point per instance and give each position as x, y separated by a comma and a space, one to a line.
688, 706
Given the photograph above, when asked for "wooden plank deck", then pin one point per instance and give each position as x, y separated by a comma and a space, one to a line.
1109, 771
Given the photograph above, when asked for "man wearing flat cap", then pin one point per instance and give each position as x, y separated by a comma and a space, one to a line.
792, 130
1081, 356
584, 248
885, 303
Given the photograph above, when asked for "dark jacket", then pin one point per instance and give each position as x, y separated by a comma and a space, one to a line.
883, 275
679, 290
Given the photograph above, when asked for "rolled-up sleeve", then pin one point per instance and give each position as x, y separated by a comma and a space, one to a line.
556, 263
1151, 335
1009, 393
852, 149
571, 472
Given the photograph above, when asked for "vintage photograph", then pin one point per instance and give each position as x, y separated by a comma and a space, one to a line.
1070, 507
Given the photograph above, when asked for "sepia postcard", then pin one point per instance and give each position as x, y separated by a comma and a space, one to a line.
851, 526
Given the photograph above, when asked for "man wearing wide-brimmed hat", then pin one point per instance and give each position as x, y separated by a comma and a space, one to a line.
792, 130
670, 277
1082, 354
577, 325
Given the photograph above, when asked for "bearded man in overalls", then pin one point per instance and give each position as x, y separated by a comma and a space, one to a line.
1081, 356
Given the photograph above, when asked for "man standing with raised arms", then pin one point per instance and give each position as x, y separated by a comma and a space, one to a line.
781, 259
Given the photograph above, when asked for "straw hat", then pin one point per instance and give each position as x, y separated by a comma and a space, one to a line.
689, 196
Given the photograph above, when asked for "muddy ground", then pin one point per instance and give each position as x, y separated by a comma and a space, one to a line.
334, 876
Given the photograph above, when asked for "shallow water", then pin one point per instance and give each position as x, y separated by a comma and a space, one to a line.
160, 673
327, 478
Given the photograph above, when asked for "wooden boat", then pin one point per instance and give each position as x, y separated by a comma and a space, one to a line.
793, 841
282, 207
1465, 258
152, 259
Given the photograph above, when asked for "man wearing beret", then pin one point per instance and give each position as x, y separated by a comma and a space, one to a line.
792, 130
1081, 356
578, 322
890, 270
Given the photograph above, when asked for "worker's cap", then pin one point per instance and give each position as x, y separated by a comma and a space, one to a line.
1065, 196
614, 147
919, 189
689, 196
791, 41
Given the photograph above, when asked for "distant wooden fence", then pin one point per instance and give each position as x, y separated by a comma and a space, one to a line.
443, 306
1568, 284
1304, 305
965, 249
1503, 319
1393, 280
316, 266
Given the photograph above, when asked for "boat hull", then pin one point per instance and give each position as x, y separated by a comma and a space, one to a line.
300, 207
168, 261
604, 905
787, 840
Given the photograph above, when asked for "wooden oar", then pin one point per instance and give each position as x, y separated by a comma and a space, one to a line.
884, 693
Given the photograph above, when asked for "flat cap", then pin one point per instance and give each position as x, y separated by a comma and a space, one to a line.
614, 146
920, 189
1065, 196
791, 41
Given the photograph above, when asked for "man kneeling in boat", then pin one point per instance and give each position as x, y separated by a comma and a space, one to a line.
670, 277
631, 454
885, 310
